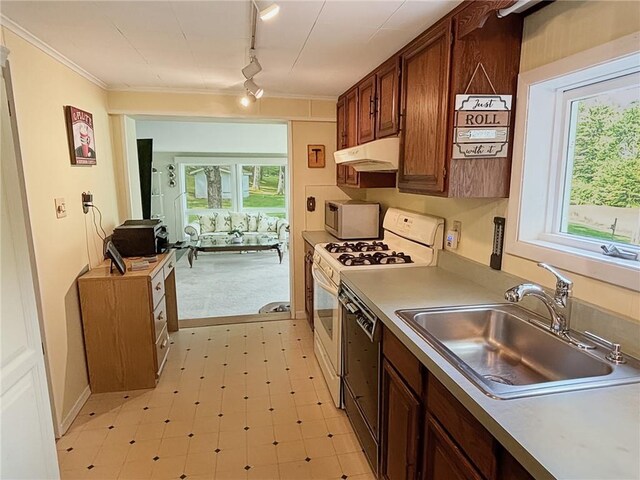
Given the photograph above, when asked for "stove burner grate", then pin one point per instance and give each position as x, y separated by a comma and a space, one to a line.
377, 258
351, 247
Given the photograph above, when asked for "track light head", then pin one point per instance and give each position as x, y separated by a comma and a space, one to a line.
269, 12
254, 89
247, 99
252, 69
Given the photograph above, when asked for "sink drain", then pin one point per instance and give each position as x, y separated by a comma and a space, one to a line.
498, 379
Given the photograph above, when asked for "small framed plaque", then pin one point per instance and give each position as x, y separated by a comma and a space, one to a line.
315, 156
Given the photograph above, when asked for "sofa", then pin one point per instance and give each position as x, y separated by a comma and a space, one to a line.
222, 223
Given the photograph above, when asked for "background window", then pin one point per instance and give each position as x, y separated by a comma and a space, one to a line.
265, 189
209, 187
601, 198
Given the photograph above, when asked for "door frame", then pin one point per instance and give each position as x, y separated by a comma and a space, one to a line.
125, 167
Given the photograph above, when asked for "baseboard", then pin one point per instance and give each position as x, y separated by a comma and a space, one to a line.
75, 410
251, 318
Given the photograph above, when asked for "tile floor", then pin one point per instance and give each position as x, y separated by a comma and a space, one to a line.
243, 401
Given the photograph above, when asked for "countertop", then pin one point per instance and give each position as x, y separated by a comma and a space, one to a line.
588, 434
318, 236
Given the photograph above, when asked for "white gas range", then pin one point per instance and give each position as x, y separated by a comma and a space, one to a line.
410, 240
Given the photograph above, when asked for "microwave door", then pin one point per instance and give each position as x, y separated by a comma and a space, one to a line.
331, 218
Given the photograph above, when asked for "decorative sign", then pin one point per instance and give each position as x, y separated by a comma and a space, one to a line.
81, 138
315, 156
482, 126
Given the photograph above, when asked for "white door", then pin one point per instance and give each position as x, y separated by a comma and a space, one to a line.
27, 443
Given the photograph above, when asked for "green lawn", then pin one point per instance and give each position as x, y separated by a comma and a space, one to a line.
583, 231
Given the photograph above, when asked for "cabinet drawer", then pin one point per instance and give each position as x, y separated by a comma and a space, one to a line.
474, 440
159, 318
157, 288
170, 264
407, 365
162, 348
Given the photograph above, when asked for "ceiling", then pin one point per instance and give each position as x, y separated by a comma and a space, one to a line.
311, 48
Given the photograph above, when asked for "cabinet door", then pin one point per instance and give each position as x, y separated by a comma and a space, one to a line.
351, 118
400, 427
351, 176
341, 123
443, 460
387, 98
425, 91
308, 283
367, 109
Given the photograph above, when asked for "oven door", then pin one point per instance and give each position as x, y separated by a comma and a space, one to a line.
326, 315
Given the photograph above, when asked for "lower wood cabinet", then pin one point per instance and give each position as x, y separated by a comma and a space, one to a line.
443, 459
427, 434
402, 414
308, 282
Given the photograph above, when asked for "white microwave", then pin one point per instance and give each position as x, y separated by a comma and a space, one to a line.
352, 219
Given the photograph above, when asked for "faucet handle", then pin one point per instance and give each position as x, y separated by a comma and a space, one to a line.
563, 284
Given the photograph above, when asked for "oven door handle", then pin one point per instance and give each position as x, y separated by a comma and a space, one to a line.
323, 281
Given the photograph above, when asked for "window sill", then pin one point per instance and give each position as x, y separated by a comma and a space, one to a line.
616, 271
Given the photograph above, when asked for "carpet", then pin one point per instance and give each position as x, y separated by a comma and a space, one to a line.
222, 284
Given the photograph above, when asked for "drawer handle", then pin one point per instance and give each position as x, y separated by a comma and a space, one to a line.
164, 343
161, 316
170, 264
158, 286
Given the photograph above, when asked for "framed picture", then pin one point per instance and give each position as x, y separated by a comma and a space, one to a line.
315, 156
82, 142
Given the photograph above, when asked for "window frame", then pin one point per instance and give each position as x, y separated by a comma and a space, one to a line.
539, 169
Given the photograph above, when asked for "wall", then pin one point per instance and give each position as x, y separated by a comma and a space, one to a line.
556, 31
65, 247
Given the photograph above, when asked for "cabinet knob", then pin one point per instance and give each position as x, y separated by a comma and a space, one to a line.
161, 316
158, 286
163, 344
170, 264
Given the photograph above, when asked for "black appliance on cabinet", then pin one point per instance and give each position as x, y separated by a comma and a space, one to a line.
360, 375
136, 238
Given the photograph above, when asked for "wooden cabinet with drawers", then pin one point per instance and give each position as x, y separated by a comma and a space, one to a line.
126, 323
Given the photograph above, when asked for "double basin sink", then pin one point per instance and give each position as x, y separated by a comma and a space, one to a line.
498, 349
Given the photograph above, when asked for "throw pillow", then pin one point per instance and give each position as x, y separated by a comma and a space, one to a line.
239, 221
266, 223
252, 222
207, 222
223, 222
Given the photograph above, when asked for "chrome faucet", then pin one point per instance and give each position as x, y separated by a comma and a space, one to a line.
559, 306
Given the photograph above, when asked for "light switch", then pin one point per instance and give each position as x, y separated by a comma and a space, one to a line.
61, 207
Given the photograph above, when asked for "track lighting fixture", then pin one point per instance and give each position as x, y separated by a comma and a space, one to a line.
254, 89
269, 12
252, 69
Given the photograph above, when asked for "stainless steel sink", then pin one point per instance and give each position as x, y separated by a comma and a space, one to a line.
506, 356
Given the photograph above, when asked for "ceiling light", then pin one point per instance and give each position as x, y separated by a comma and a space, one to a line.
252, 69
269, 12
247, 99
254, 89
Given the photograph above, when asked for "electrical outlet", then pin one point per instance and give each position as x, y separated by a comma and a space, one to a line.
457, 226
61, 207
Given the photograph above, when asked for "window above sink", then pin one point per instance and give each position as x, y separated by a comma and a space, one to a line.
576, 172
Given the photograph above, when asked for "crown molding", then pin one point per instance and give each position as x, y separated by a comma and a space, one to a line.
52, 52
204, 91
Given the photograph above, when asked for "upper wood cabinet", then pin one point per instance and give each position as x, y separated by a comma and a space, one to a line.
341, 124
387, 98
367, 110
414, 95
425, 82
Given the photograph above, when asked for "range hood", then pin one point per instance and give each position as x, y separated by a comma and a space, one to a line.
377, 156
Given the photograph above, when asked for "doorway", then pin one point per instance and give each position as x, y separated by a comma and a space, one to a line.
222, 190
